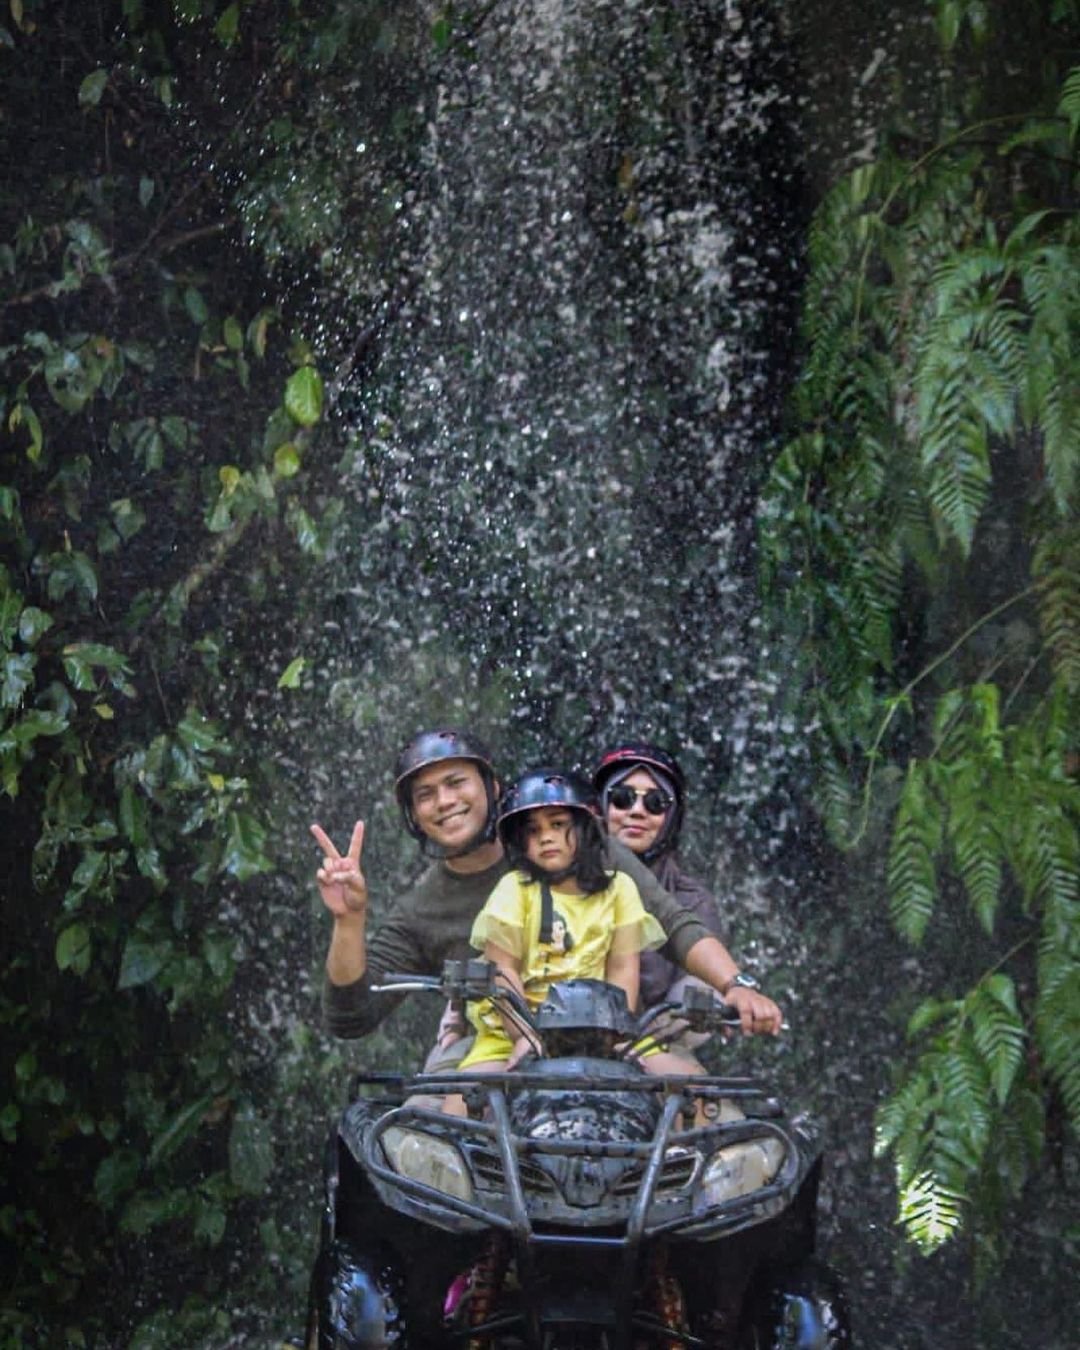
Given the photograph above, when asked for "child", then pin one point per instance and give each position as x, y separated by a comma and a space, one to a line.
561, 914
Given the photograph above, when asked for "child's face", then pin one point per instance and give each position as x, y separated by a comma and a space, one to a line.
549, 839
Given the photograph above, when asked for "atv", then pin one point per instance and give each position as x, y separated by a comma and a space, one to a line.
580, 1204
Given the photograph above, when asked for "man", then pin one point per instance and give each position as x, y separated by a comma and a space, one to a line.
446, 788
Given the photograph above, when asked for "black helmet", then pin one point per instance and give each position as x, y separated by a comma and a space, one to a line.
429, 747
621, 761
545, 787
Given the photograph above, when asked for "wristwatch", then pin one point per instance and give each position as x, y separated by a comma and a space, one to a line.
741, 981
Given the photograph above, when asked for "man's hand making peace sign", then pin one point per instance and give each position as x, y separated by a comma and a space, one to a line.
341, 882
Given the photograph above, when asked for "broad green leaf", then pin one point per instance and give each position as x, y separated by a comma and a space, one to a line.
199, 734
38, 722
146, 1209
81, 659
73, 949
244, 855
17, 671
180, 1128
148, 861
91, 867
233, 334
71, 572
10, 610
304, 396
9, 1123
32, 623
286, 461
290, 676
92, 88
229, 476
115, 1176
440, 32
210, 1217
141, 961
128, 518
22, 414
195, 305
228, 25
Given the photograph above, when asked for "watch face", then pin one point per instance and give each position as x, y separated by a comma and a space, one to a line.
742, 981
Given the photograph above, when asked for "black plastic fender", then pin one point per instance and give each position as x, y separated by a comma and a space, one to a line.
797, 1307
356, 1302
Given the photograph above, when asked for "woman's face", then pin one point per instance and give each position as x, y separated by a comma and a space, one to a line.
635, 826
549, 839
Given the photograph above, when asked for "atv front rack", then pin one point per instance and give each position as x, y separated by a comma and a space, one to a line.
531, 1224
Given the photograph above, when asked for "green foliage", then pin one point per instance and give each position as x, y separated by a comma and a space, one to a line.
150, 419
934, 458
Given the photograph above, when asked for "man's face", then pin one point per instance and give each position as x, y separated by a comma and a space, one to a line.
449, 802
635, 826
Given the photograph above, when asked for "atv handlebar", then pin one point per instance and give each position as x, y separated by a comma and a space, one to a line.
472, 980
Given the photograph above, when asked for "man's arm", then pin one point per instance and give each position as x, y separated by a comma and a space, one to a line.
349, 1007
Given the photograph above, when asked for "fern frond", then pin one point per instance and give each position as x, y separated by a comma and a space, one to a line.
1046, 857
976, 846
1069, 103
930, 1212
997, 1031
963, 1126
1018, 1139
835, 797
912, 873
1057, 1007
1056, 568
959, 481
905, 1115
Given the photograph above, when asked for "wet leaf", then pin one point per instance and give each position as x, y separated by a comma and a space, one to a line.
73, 949
244, 856
233, 334
32, 623
304, 396
92, 88
228, 25
179, 1129
290, 676
286, 461
115, 1176
141, 961
195, 305
18, 677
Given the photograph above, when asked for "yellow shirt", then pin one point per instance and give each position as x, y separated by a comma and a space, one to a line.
585, 930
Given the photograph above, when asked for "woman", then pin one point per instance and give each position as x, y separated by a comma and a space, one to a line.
643, 796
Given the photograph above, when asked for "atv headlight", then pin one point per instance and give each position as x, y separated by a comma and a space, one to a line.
741, 1168
427, 1159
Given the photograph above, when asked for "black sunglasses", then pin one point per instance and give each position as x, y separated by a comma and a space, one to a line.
654, 801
